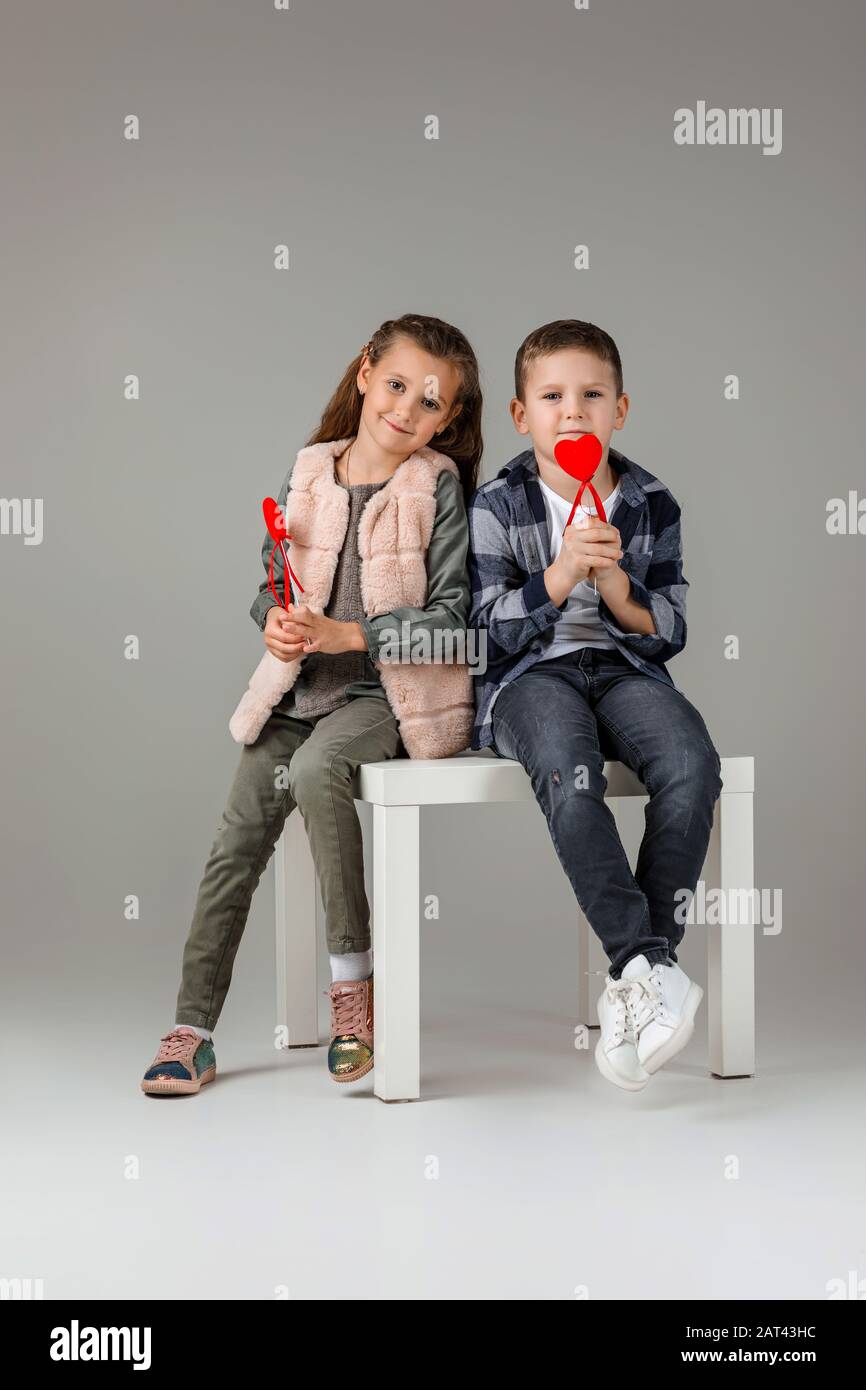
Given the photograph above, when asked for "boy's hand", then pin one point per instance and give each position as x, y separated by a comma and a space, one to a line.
277, 639
589, 551
604, 570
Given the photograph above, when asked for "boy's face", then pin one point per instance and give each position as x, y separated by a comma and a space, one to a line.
568, 393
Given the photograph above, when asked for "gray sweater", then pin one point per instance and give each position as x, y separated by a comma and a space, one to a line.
324, 678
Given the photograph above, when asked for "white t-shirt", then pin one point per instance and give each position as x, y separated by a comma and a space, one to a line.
579, 624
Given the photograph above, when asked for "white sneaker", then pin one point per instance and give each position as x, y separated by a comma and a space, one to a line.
615, 1052
662, 1004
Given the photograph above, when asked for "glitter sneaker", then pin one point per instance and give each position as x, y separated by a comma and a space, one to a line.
350, 1054
184, 1063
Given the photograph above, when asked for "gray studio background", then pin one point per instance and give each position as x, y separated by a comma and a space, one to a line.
156, 258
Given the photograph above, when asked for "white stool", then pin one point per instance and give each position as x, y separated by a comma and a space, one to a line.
397, 790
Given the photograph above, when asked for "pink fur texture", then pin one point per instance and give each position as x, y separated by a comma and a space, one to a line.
433, 702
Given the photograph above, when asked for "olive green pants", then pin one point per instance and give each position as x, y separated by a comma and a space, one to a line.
309, 764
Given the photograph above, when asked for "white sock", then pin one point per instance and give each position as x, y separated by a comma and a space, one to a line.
354, 965
202, 1032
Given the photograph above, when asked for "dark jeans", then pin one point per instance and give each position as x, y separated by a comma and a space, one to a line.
562, 720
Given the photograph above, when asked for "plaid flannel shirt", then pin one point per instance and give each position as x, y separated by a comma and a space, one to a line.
509, 549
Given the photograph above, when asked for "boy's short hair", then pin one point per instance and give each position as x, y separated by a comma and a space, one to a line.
565, 333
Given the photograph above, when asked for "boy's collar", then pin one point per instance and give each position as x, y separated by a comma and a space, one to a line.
525, 466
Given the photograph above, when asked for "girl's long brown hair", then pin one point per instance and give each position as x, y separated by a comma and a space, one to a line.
461, 441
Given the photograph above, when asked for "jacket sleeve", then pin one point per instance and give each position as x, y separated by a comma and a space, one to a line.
447, 603
663, 592
264, 599
513, 608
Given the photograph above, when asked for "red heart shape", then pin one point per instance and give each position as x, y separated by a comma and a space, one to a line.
579, 457
274, 519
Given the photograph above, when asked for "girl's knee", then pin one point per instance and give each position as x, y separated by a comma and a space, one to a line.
313, 774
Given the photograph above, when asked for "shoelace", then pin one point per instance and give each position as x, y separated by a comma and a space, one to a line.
645, 1002
348, 1009
618, 993
173, 1046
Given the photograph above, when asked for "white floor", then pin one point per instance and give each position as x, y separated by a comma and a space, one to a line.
521, 1173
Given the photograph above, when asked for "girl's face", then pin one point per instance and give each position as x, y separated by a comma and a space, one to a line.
409, 397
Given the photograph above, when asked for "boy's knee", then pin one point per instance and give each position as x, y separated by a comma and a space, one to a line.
707, 766
567, 778
694, 768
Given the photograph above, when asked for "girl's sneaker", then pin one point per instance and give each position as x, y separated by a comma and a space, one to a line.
184, 1063
350, 1054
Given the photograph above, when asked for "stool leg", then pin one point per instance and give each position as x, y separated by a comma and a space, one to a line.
731, 948
296, 935
396, 952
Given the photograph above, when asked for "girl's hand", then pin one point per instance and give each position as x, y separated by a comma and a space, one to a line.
316, 633
277, 639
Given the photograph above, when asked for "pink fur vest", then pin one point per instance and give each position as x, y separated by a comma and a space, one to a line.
432, 702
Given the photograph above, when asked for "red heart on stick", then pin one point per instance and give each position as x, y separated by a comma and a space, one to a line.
579, 457
274, 519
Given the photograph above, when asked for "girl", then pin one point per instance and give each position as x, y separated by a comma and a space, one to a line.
375, 508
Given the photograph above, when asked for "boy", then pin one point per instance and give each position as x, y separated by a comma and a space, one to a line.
579, 626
